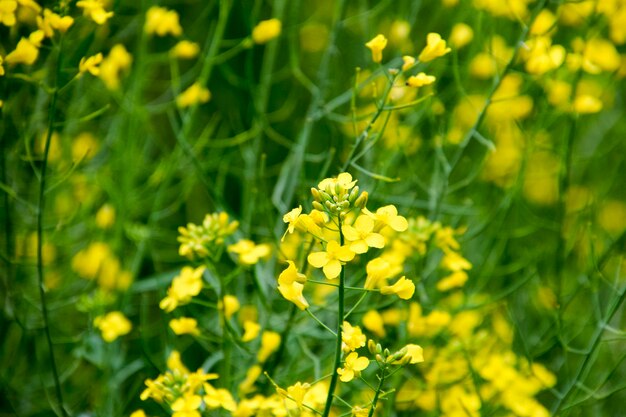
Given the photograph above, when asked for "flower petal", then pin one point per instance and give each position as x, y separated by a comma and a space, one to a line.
318, 259
332, 269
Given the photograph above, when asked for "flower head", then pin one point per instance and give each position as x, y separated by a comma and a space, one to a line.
94, 9
352, 337
420, 80
113, 325
435, 47
249, 252
377, 45
91, 64
266, 30
330, 259
352, 367
184, 287
161, 21
195, 94
403, 288
361, 235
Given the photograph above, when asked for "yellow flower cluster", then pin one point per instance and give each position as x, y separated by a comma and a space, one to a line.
184, 287
206, 239
97, 262
113, 325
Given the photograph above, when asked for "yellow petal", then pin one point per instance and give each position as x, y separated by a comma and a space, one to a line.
375, 240
332, 269
318, 259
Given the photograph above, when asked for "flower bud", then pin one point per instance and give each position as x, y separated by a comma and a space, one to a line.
362, 200
316, 194
318, 206
371, 346
354, 194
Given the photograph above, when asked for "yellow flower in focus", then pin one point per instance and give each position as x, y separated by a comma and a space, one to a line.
388, 216
435, 48
7, 12
403, 288
26, 52
373, 321
184, 325
161, 21
94, 9
251, 330
291, 285
112, 325
185, 50
291, 218
331, 259
199, 240
420, 80
187, 405
415, 353
184, 287
266, 30
377, 45
461, 35
339, 185
586, 104
270, 342
352, 337
378, 271
105, 217
361, 235
91, 64
352, 367
249, 252
195, 94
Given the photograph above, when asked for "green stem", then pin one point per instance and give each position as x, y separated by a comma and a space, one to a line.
378, 390
333, 379
40, 211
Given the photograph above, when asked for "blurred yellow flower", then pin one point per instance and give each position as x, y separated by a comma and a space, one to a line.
7, 12
586, 104
216, 398
373, 321
270, 341
90, 64
113, 325
230, 304
105, 217
377, 45
249, 252
461, 35
408, 62
184, 287
161, 21
187, 405
420, 80
403, 288
185, 50
26, 52
266, 30
184, 325
84, 146
435, 48
195, 94
295, 392
117, 61
251, 330
51, 21
95, 10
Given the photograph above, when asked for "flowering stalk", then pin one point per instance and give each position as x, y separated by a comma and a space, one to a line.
337, 363
40, 211
377, 394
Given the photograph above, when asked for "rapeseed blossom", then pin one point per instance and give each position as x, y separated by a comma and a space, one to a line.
331, 259
113, 325
162, 21
95, 10
185, 325
195, 94
184, 287
352, 367
266, 30
377, 45
435, 48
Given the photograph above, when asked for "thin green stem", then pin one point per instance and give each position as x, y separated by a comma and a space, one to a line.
314, 317
40, 211
340, 312
377, 394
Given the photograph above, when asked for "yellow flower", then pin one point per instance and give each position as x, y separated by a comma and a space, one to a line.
291, 284
184, 287
161, 21
330, 260
388, 216
586, 104
251, 330
291, 218
420, 80
352, 337
378, 271
247, 384
415, 353
112, 325
249, 252
339, 185
455, 262
185, 50
408, 62
270, 341
94, 9
184, 325
105, 217
361, 235
373, 321
216, 398
118, 60
195, 94
352, 367
84, 146
360, 412
138, 413
187, 405
295, 392
231, 305
455, 280
52, 21
435, 47
377, 45
7, 12
266, 30
24, 53
461, 35
90, 64
403, 288
198, 240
